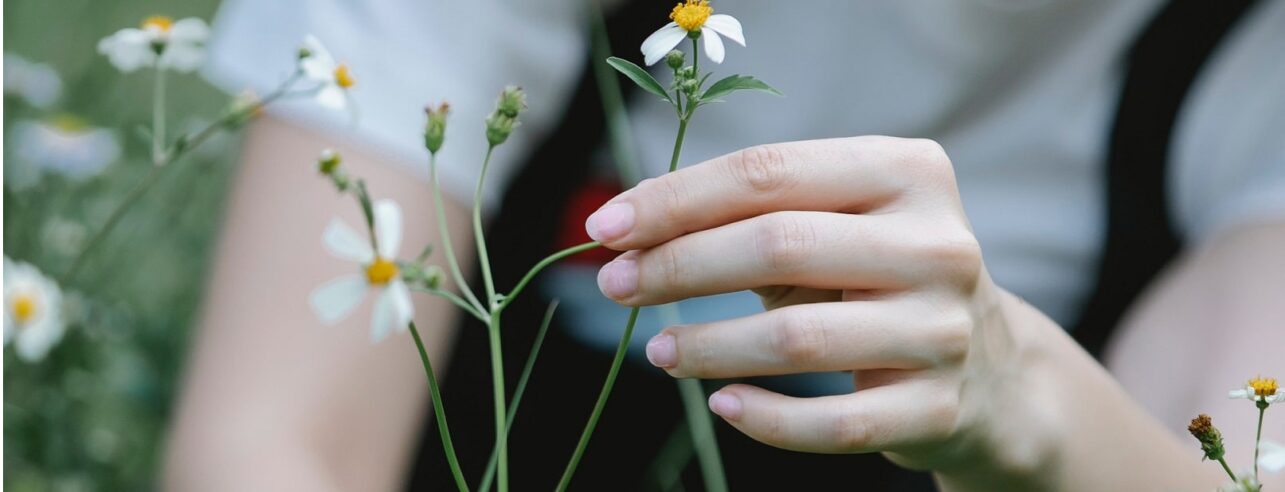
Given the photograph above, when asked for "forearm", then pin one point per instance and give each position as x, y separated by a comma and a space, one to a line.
1072, 427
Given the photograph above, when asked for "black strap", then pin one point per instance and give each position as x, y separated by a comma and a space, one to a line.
1140, 238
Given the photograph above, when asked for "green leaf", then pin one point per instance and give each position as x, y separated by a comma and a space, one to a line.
639, 76
733, 83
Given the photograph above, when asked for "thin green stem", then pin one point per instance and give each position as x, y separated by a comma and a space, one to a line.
548, 260
439, 412
678, 145
621, 350
445, 234
489, 475
501, 416
158, 118
455, 299
113, 220
478, 234
696, 57
703, 437
666, 469
1227, 469
613, 100
1258, 438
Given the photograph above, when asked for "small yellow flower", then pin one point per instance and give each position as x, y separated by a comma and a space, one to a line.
691, 15
1260, 389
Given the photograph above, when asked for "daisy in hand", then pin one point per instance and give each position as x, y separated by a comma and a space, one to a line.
334, 300
694, 19
176, 45
32, 311
319, 66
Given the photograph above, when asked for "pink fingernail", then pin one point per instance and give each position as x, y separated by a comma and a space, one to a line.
611, 222
725, 405
661, 351
618, 279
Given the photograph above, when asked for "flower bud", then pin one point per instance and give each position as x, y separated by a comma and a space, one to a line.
689, 86
674, 59
686, 73
329, 162
505, 117
303, 53
512, 101
435, 131
1211, 441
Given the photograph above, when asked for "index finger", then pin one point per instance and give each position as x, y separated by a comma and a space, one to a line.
835, 175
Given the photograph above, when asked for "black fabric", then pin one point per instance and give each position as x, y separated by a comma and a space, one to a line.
1140, 238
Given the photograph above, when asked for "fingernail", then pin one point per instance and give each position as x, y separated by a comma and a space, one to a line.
661, 351
618, 279
611, 222
725, 405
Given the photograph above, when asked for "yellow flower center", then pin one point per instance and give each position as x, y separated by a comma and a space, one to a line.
342, 77
1263, 386
24, 307
158, 22
692, 14
69, 123
381, 271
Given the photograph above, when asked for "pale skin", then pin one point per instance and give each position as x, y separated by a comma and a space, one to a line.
866, 263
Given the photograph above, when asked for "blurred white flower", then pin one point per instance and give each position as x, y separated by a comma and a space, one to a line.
1260, 389
319, 66
64, 144
1246, 483
36, 83
32, 311
1271, 456
334, 300
180, 45
694, 16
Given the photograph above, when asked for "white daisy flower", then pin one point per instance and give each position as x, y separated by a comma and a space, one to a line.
334, 300
319, 66
33, 318
1271, 456
178, 45
36, 83
694, 16
65, 144
1260, 389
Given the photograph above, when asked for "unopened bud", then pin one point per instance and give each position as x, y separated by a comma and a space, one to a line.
329, 162
686, 73
1211, 441
674, 59
512, 101
435, 130
505, 117
689, 86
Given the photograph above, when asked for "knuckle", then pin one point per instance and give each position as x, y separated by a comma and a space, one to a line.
762, 168
953, 339
930, 159
785, 242
669, 266
668, 197
800, 339
957, 258
944, 411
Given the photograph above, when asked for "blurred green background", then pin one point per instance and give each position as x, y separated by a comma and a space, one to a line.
92, 414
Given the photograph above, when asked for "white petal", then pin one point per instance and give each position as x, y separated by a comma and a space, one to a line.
35, 340
403, 308
1271, 456
1239, 393
191, 30
8, 327
713, 46
183, 57
384, 316
319, 65
388, 228
128, 49
345, 243
332, 96
728, 26
334, 300
660, 42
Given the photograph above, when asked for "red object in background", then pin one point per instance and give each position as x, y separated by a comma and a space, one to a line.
584, 202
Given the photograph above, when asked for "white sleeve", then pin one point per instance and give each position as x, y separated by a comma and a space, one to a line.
1229, 153
406, 54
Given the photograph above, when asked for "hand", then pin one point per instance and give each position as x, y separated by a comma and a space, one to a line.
860, 249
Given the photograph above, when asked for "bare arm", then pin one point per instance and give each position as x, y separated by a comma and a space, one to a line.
272, 400
1217, 319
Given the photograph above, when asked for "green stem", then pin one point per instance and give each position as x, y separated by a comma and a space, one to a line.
457, 300
678, 144
1227, 469
158, 118
613, 101
548, 260
1258, 439
621, 350
497, 385
478, 236
113, 220
445, 233
489, 475
703, 437
439, 412
667, 468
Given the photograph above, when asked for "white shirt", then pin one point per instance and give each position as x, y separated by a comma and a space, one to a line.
1019, 92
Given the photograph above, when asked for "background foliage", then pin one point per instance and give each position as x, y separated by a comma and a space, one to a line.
92, 415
